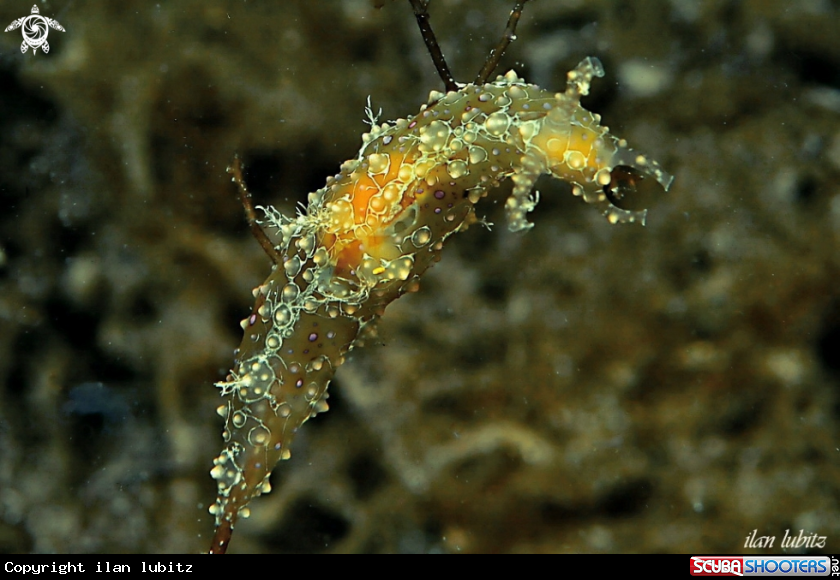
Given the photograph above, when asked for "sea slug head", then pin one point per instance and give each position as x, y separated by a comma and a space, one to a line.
626, 169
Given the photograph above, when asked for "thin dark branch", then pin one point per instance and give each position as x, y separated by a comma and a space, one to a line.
422, 16
496, 54
221, 538
236, 171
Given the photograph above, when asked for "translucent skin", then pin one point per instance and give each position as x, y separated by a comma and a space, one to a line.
369, 235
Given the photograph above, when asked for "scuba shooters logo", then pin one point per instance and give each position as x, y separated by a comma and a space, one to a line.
764, 566
35, 29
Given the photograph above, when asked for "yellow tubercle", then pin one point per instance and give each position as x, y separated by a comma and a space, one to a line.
575, 149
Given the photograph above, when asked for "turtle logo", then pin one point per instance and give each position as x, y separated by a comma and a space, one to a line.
35, 30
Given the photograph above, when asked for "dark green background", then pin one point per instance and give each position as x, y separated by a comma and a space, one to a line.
580, 388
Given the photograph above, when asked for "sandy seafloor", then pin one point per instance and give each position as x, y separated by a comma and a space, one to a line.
580, 388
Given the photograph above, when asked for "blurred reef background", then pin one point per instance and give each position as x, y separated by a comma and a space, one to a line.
581, 388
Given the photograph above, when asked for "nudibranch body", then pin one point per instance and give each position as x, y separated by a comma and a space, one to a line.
369, 235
